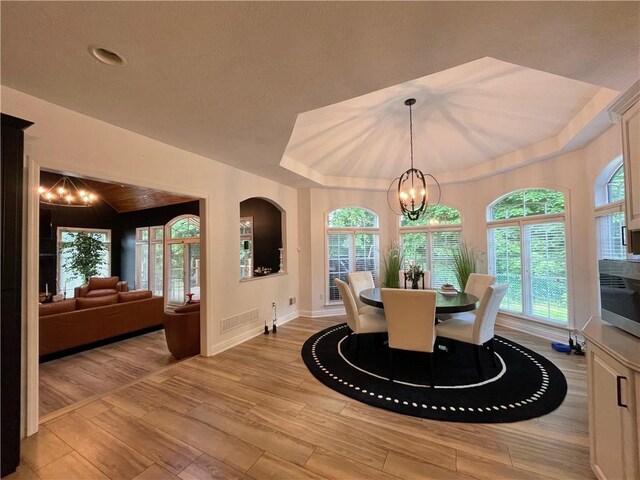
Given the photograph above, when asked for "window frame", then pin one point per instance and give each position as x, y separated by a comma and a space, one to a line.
168, 241
521, 222
605, 207
249, 237
151, 271
352, 231
428, 230
59, 232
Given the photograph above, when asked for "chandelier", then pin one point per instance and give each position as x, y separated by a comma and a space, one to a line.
412, 191
65, 193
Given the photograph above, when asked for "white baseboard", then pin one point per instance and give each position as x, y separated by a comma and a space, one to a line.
254, 332
548, 332
331, 312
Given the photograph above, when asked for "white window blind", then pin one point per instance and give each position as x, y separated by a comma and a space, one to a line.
505, 263
442, 269
415, 249
339, 245
546, 271
351, 252
610, 237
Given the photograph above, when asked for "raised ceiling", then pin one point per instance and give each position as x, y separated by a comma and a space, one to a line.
122, 198
228, 80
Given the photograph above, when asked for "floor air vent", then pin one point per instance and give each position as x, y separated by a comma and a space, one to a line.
239, 320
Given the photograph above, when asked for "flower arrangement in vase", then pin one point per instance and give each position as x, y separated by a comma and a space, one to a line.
414, 273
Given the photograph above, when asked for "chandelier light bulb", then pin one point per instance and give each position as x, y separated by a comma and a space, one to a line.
65, 193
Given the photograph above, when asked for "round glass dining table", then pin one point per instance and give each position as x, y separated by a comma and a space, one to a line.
460, 302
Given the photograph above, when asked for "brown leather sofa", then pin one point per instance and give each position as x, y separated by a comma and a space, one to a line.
182, 329
101, 286
85, 320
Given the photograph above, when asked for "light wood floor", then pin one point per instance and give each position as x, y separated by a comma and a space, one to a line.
255, 411
75, 378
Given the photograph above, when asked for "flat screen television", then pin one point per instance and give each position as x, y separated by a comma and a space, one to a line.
620, 294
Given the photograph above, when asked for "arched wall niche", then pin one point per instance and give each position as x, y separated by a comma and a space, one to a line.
268, 221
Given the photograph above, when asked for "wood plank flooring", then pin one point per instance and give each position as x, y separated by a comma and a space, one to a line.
255, 411
75, 378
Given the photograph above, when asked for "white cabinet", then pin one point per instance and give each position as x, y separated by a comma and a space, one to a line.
631, 153
627, 110
613, 368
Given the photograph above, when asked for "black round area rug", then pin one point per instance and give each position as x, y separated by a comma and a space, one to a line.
521, 386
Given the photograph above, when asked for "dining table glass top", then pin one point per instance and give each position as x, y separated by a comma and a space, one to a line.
445, 303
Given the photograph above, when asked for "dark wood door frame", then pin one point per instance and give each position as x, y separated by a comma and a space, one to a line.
11, 178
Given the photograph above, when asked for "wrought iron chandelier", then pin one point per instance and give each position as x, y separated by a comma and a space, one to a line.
65, 193
412, 191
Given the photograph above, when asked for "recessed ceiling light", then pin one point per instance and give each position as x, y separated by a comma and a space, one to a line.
106, 56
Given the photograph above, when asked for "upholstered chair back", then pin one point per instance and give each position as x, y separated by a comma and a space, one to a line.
359, 281
349, 305
478, 283
484, 325
410, 318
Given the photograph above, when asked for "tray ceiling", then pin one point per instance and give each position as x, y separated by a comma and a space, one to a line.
228, 80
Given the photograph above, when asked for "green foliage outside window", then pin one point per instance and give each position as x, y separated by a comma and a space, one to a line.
352, 217
434, 215
615, 187
86, 255
526, 203
186, 228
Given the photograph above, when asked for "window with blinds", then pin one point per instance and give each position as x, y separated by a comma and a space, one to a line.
442, 269
430, 242
530, 255
610, 245
352, 246
546, 269
505, 263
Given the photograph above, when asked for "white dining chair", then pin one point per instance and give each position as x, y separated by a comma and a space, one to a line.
359, 281
477, 285
360, 323
476, 327
410, 323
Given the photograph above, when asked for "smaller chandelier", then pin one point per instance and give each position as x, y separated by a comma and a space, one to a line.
65, 193
413, 195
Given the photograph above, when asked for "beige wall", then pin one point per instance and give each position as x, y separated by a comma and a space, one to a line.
66, 141
573, 173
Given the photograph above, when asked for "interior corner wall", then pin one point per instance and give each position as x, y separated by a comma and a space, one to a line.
66, 141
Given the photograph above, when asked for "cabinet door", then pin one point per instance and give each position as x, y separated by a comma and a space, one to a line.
631, 153
612, 418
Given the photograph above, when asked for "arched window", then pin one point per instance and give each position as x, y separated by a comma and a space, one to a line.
352, 245
183, 254
610, 219
527, 251
430, 240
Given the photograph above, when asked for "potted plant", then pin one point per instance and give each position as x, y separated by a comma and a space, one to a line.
86, 255
464, 262
392, 260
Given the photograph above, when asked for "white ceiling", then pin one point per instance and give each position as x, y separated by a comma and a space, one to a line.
228, 80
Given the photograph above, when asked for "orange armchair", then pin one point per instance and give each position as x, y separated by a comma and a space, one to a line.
182, 330
100, 286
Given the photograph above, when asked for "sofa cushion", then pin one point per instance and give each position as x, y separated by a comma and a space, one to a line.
134, 295
98, 283
101, 292
63, 306
194, 307
83, 303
